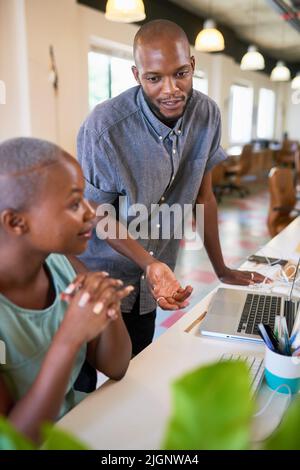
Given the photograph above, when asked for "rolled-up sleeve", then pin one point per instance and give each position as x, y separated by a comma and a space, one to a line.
216, 154
101, 181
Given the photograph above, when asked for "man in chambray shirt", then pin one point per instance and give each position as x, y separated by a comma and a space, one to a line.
155, 144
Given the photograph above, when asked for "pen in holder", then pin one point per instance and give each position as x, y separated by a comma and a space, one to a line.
282, 370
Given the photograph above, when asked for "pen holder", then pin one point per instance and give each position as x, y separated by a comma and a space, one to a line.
282, 370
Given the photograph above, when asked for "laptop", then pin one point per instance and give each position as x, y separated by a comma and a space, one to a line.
235, 314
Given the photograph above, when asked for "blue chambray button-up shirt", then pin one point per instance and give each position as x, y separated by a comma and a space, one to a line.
125, 150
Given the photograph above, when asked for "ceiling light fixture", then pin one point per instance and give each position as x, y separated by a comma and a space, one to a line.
280, 73
296, 82
253, 60
125, 11
210, 39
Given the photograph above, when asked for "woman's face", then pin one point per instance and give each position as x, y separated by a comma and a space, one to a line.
61, 220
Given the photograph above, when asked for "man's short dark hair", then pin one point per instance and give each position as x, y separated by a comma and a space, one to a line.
158, 28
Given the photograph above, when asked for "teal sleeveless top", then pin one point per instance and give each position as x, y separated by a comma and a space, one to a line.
27, 335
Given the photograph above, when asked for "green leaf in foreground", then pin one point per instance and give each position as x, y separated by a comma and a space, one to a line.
212, 409
10, 439
58, 439
287, 436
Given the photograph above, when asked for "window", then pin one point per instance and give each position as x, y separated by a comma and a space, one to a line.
200, 82
266, 114
240, 114
108, 76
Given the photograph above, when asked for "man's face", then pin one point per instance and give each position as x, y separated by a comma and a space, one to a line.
61, 220
165, 70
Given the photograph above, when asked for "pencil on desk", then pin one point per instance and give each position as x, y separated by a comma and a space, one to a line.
195, 322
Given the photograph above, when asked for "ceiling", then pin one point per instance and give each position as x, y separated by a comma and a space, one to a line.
241, 21
255, 21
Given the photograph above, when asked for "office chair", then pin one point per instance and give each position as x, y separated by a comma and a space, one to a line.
287, 155
282, 199
236, 171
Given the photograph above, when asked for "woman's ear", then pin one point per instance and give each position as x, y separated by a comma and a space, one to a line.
14, 222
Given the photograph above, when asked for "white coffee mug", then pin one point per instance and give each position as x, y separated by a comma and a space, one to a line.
282, 370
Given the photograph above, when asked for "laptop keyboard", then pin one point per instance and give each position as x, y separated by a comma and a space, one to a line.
259, 309
255, 366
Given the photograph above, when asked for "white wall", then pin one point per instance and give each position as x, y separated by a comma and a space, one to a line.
222, 72
293, 115
71, 28
15, 114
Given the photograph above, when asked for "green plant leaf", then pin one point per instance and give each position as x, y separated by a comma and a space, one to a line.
212, 409
287, 436
10, 439
58, 439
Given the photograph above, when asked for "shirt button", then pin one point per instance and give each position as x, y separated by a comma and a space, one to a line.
160, 137
174, 151
143, 277
173, 177
162, 199
179, 131
151, 253
158, 225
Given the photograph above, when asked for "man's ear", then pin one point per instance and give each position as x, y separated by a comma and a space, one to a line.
136, 74
193, 62
13, 222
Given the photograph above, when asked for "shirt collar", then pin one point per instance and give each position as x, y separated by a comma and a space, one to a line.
161, 129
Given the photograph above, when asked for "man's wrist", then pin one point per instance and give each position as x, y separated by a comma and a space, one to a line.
221, 271
147, 261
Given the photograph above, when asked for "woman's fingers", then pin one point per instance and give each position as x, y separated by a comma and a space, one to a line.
91, 285
102, 293
79, 283
96, 286
73, 288
122, 293
109, 297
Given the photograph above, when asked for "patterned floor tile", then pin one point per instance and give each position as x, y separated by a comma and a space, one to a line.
173, 318
198, 275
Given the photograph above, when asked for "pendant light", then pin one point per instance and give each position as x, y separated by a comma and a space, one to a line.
210, 39
253, 60
125, 11
296, 82
280, 73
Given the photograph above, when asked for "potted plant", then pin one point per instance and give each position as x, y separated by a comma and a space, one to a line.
213, 408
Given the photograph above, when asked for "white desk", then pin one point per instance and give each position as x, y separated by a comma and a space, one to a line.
132, 413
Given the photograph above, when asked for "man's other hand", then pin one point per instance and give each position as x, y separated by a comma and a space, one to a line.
242, 278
